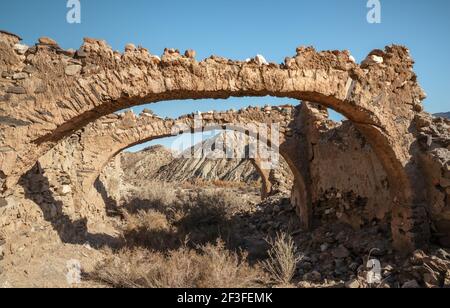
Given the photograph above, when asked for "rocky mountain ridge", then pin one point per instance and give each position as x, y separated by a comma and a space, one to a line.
207, 161
443, 115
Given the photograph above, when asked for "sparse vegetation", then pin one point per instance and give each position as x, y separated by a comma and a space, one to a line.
185, 240
156, 193
212, 266
200, 183
150, 229
283, 259
203, 215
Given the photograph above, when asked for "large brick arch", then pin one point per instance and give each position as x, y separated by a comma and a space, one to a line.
61, 91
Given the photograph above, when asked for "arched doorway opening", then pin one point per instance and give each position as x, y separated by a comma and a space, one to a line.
218, 159
205, 196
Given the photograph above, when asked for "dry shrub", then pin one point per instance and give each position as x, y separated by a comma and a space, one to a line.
203, 216
150, 220
229, 184
201, 183
208, 216
195, 183
158, 194
149, 229
212, 267
225, 202
226, 269
186, 185
283, 259
241, 185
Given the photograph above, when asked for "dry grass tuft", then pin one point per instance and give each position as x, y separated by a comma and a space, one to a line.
159, 194
208, 216
212, 267
283, 259
150, 229
201, 183
150, 220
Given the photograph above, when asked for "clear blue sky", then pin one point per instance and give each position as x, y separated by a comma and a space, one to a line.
240, 29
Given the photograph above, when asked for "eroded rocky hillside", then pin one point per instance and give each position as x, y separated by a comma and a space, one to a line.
205, 162
193, 164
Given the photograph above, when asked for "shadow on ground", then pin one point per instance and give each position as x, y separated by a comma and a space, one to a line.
198, 225
37, 188
201, 224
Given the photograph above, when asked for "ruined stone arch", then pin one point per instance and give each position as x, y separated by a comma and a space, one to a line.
67, 90
101, 141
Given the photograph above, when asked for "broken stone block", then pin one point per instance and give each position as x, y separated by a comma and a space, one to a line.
147, 111
20, 76
29, 69
422, 121
130, 48
6, 75
372, 60
16, 90
20, 48
418, 108
72, 70
47, 41
260, 60
190, 53
171, 51
65, 190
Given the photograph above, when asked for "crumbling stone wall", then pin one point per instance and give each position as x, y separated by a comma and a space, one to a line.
47, 93
346, 180
434, 141
110, 184
349, 183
